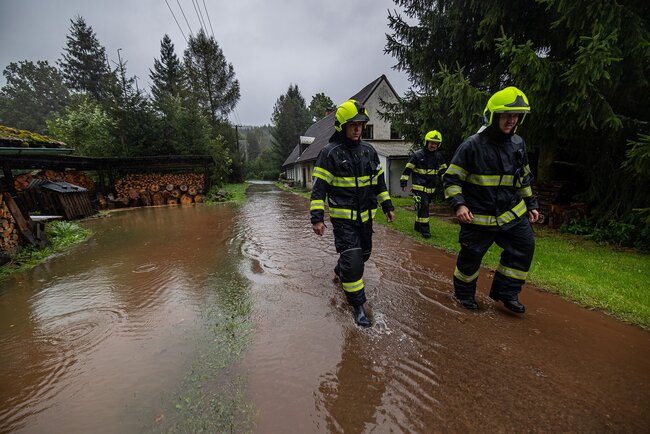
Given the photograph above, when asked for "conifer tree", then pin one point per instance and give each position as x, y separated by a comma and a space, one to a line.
167, 75
585, 69
290, 119
212, 78
84, 64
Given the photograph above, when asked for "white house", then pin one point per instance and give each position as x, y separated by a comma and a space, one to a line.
392, 149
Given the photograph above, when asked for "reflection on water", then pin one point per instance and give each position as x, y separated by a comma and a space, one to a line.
425, 366
98, 339
210, 319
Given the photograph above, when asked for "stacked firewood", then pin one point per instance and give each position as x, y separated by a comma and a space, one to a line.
160, 189
8, 228
548, 193
21, 182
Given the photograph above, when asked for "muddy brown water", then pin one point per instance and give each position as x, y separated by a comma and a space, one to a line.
106, 338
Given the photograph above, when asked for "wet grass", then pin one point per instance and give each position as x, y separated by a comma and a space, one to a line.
235, 193
62, 235
590, 274
211, 397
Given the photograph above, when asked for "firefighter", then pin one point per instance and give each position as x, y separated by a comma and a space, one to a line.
350, 178
488, 186
426, 166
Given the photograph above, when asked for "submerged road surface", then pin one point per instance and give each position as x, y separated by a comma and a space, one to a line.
426, 365
218, 319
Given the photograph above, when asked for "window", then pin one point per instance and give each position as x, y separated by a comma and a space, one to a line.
394, 135
367, 132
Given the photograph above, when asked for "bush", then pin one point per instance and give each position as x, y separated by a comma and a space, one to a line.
633, 231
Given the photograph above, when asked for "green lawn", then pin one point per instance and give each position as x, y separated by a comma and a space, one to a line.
593, 275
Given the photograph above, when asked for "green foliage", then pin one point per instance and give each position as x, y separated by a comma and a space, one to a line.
632, 232
167, 77
583, 65
84, 64
86, 127
290, 120
133, 116
33, 93
62, 236
263, 167
212, 78
319, 105
637, 161
227, 193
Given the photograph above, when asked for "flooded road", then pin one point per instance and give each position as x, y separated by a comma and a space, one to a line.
426, 365
104, 337
228, 320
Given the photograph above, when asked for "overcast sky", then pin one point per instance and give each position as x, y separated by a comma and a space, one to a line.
330, 46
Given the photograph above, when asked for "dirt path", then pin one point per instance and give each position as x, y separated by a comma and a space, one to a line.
426, 365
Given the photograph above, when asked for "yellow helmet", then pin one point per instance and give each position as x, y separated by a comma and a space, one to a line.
508, 100
433, 136
350, 111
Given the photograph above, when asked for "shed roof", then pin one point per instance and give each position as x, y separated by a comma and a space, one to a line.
22, 142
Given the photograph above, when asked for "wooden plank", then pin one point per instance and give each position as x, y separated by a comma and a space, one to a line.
23, 224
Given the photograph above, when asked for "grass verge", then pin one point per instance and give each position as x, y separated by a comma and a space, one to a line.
593, 275
234, 193
62, 235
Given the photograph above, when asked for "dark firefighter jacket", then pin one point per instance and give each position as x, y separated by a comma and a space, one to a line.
349, 176
489, 173
425, 168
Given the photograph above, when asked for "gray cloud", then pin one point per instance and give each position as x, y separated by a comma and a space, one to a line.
334, 46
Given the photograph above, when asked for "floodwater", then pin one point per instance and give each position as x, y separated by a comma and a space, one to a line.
226, 320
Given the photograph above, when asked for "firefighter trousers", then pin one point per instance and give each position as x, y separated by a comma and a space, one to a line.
518, 243
422, 219
353, 241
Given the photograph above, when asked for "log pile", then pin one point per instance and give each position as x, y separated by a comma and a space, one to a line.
548, 193
21, 182
160, 189
561, 214
8, 229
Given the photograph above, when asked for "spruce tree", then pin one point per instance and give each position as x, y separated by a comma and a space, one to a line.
585, 69
167, 75
290, 120
212, 78
84, 64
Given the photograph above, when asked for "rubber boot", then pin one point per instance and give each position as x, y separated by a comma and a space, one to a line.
360, 316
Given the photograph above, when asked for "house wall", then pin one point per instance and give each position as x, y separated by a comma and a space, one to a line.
304, 177
290, 172
393, 168
381, 128
397, 166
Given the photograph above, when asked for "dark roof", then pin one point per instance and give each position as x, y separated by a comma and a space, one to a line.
363, 95
57, 186
323, 129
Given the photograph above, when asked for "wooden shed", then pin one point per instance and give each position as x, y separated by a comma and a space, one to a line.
59, 198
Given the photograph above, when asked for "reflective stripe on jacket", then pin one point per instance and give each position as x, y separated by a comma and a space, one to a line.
350, 178
425, 169
492, 179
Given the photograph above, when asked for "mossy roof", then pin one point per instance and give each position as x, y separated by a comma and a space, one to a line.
15, 138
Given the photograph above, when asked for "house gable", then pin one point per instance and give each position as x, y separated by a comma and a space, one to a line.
370, 96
